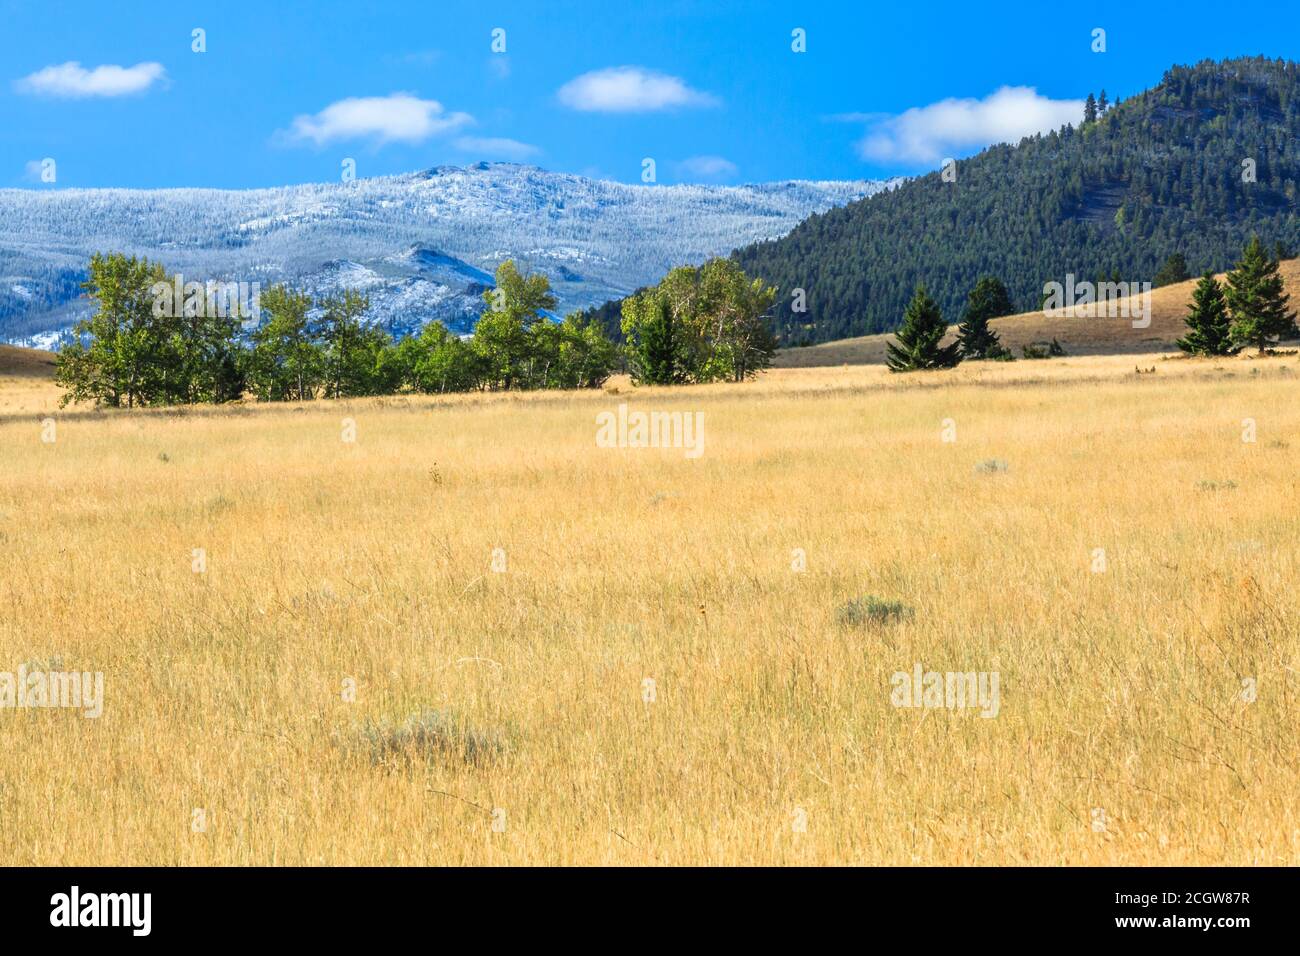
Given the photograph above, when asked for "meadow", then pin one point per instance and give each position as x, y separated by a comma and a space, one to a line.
471, 636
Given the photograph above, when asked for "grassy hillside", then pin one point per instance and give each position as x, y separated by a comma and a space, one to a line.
329, 562
1079, 336
1159, 173
20, 363
26, 380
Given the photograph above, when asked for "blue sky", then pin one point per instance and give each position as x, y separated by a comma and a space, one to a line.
713, 92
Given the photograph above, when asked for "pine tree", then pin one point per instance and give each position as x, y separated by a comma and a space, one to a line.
917, 339
1090, 109
1102, 104
988, 300
1174, 270
656, 351
1257, 301
1207, 320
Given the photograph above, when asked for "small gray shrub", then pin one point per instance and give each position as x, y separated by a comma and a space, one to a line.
873, 610
430, 736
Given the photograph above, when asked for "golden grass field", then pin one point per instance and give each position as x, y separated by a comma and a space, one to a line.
1122, 736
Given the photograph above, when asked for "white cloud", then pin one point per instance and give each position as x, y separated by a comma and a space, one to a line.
856, 117
71, 79
928, 134
418, 58
629, 89
399, 117
496, 146
707, 167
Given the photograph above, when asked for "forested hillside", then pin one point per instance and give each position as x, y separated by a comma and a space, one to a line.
1195, 165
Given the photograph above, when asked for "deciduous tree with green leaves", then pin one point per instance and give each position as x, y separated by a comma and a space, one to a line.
734, 315
350, 348
501, 337
117, 356
576, 353
285, 363
699, 325
436, 361
202, 358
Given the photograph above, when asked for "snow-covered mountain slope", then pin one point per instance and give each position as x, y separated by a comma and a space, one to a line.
422, 245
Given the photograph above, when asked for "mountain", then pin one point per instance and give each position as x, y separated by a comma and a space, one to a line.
422, 245
1162, 172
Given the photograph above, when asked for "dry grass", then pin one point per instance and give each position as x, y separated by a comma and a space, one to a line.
523, 690
25, 376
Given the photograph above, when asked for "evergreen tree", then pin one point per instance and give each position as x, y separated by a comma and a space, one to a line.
1102, 104
1207, 320
1090, 109
988, 300
917, 340
1257, 301
656, 349
1174, 270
